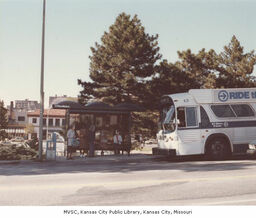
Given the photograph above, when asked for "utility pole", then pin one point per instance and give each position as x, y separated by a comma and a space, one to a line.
42, 90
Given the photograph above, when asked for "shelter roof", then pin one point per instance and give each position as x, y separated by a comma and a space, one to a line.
129, 107
68, 105
98, 107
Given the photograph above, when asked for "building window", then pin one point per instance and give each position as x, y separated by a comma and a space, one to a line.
50, 122
21, 118
44, 122
34, 120
57, 122
44, 134
63, 122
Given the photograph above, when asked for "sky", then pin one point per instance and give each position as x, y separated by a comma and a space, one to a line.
73, 26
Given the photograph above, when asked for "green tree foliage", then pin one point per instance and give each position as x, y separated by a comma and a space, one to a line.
198, 68
3, 120
234, 67
145, 123
122, 63
123, 69
192, 71
168, 79
122, 66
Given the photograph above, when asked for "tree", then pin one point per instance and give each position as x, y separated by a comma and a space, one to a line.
234, 67
168, 79
29, 128
122, 63
199, 68
145, 123
3, 120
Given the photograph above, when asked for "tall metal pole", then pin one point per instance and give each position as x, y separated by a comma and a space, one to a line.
42, 90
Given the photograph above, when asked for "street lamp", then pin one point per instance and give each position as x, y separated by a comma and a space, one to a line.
42, 90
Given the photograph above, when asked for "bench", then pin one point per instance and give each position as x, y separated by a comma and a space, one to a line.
106, 147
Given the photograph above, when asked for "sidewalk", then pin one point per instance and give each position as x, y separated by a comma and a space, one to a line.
144, 154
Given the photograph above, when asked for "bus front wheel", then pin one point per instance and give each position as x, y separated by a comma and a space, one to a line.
217, 149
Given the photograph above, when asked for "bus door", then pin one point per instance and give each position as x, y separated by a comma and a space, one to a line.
167, 126
188, 130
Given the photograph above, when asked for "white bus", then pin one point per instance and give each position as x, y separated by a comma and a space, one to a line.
215, 122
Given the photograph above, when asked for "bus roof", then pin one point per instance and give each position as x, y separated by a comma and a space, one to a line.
211, 96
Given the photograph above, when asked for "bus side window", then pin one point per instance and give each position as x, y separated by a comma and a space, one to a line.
181, 117
205, 121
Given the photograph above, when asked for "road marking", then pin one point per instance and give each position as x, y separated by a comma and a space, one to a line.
114, 184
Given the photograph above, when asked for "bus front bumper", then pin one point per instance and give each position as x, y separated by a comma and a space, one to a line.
163, 151
252, 149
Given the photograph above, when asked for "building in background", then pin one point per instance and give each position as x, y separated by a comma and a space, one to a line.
17, 117
54, 120
27, 105
23, 118
18, 114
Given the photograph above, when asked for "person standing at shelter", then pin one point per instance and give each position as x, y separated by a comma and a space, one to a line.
91, 138
71, 136
117, 142
83, 140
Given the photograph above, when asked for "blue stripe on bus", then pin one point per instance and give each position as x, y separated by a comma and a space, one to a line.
226, 124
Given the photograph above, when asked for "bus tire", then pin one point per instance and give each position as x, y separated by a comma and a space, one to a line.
218, 149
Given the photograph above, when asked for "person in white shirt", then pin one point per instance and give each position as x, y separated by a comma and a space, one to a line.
117, 142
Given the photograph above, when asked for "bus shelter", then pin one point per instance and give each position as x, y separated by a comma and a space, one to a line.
106, 118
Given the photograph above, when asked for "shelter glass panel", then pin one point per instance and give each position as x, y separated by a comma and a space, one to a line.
99, 122
113, 120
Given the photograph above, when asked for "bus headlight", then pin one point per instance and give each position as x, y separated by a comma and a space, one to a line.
252, 146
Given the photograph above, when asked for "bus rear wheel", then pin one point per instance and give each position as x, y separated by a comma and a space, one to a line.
217, 149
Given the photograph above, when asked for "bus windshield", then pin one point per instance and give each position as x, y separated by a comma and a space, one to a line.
169, 120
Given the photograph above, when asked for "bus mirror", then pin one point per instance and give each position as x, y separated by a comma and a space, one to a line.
178, 121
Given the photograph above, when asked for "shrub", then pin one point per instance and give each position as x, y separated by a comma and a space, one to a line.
16, 152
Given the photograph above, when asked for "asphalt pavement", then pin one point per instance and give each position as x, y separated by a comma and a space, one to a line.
138, 180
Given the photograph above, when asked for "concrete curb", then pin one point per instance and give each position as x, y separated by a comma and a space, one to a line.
15, 161
96, 159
